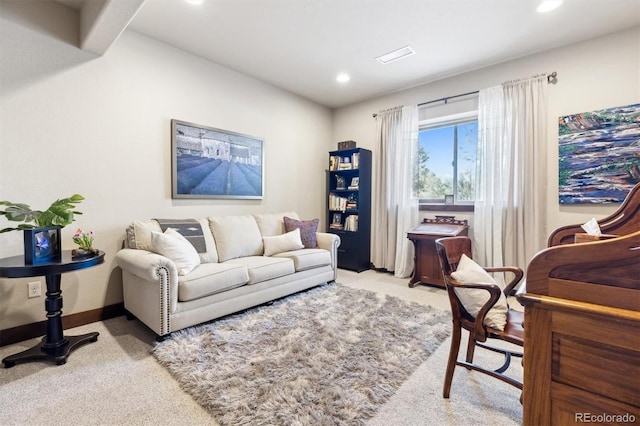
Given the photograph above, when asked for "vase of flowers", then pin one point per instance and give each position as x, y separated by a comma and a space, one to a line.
84, 240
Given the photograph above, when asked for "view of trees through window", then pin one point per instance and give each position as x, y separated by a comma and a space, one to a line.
447, 162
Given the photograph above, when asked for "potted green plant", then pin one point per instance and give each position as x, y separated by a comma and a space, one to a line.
60, 213
41, 228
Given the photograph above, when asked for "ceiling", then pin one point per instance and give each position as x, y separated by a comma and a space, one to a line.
301, 45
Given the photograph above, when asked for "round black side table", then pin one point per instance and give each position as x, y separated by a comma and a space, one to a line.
55, 345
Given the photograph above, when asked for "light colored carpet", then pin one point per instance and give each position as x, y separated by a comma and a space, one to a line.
329, 356
116, 381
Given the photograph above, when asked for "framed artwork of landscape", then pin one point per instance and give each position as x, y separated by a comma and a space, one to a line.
599, 155
214, 163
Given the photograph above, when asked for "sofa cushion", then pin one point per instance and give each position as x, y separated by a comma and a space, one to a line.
279, 243
236, 236
307, 258
197, 232
139, 234
273, 224
139, 237
211, 278
308, 229
263, 268
473, 299
173, 245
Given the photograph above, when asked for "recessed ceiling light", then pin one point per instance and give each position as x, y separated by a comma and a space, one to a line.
548, 6
196, 2
343, 78
403, 52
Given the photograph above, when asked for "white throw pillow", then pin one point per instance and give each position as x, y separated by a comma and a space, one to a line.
281, 243
174, 246
272, 224
473, 299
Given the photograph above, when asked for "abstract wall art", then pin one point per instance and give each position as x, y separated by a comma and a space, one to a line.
599, 155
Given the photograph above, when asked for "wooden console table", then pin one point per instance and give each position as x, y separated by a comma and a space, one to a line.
55, 345
426, 268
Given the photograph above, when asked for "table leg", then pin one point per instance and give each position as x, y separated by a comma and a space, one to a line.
55, 346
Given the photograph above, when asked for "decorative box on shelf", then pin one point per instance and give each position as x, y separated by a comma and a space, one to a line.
346, 145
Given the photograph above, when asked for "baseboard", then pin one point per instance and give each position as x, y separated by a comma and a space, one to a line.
23, 332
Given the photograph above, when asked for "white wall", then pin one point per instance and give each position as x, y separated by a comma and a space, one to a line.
71, 122
100, 126
596, 74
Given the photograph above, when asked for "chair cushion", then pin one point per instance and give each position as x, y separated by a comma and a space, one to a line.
263, 268
211, 278
236, 236
279, 243
473, 299
307, 258
173, 245
308, 229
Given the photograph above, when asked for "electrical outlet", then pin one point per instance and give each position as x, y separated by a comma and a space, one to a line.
35, 289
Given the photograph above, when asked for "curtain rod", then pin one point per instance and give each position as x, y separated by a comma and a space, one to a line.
551, 78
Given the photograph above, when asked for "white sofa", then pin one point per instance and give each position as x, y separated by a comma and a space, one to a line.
240, 262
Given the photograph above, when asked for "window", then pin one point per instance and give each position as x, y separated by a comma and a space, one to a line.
447, 159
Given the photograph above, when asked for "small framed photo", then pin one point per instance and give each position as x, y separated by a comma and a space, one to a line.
448, 199
337, 218
355, 183
42, 245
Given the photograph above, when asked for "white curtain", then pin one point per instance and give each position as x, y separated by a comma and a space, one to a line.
395, 208
511, 181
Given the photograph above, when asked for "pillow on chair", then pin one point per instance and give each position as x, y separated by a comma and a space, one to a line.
473, 299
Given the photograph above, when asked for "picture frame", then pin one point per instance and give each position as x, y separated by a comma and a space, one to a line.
598, 155
355, 183
337, 218
213, 163
448, 199
42, 245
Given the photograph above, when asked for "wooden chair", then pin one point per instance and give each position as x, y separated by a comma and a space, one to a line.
450, 250
625, 220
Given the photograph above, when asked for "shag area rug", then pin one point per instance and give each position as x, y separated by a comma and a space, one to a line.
329, 356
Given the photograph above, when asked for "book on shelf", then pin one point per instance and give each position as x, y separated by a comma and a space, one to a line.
351, 223
341, 163
352, 202
355, 159
332, 162
355, 183
337, 203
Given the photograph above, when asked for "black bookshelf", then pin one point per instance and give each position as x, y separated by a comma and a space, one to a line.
349, 206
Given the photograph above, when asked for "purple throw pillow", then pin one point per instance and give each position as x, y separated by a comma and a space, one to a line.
308, 229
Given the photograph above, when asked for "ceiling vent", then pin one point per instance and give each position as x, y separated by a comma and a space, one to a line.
397, 54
